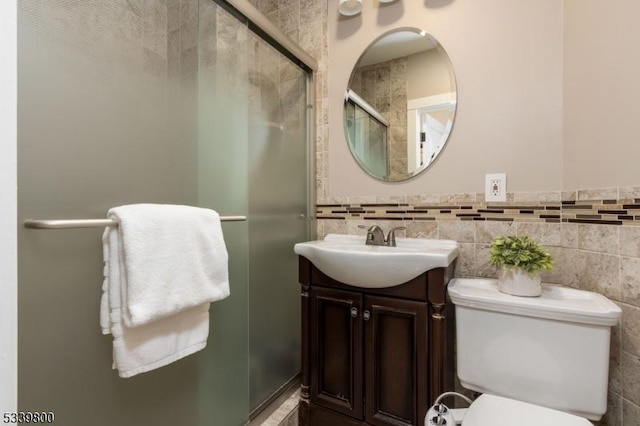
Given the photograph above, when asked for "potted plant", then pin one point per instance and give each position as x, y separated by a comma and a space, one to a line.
519, 259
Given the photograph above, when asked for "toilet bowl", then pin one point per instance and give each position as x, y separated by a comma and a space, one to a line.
536, 360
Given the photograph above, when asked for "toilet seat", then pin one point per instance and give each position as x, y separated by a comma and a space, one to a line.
491, 410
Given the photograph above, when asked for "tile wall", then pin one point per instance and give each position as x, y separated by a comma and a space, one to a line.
594, 237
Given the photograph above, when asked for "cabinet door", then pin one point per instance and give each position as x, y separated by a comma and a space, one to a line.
336, 351
396, 361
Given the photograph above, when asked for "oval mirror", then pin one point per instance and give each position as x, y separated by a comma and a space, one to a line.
400, 104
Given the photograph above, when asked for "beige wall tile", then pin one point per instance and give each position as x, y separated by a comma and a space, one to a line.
631, 377
289, 17
335, 200
422, 229
569, 235
547, 234
460, 231
598, 194
600, 238
569, 264
331, 226
391, 199
630, 413
629, 192
353, 227
486, 231
358, 200
613, 416
465, 260
615, 363
630, 329
630, 241
537, 196
423, 199
600, 273
481, 267
459, 198
554, 276
630, 280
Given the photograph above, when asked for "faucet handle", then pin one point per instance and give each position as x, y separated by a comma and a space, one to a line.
391, 236
369, 234
375, 235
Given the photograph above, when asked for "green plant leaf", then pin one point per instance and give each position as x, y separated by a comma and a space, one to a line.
522, 252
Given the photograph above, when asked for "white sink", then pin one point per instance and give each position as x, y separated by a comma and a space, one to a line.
347, 259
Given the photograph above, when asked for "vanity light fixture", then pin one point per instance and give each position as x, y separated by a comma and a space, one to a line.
350, 7
386, 1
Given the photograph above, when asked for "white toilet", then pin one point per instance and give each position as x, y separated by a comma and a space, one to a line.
536, 360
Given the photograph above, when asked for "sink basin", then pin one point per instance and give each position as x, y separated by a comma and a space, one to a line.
347, 259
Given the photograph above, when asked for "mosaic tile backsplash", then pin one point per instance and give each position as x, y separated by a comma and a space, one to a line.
571, 207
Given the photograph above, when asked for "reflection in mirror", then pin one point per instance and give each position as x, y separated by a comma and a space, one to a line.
400, 104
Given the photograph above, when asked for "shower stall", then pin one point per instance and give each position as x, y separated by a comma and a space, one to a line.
197, 102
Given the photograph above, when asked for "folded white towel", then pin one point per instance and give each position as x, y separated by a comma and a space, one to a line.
173, 258
140, 349
163, 265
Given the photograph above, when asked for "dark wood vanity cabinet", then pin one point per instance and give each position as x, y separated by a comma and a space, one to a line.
373, 356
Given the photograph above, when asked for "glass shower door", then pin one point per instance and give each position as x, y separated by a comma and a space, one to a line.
278, 216
173, 102
253, 148
221, 120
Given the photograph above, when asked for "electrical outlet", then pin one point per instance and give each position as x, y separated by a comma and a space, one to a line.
495, 187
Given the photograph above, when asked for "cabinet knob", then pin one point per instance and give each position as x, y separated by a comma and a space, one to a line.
366, 315
354, 312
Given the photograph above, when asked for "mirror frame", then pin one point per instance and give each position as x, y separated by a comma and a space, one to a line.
454, 84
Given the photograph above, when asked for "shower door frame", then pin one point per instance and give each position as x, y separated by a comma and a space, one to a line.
276, 38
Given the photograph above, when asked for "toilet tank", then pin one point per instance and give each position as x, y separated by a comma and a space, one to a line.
551, 350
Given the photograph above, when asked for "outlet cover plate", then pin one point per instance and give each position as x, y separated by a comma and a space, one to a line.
495, 187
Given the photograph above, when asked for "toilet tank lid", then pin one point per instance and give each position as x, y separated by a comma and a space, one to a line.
490, 410
556, 302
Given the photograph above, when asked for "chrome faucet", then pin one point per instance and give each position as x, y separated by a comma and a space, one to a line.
375, 235
391, 236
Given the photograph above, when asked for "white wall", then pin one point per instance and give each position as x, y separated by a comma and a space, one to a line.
601, 93
507, 58
8, 256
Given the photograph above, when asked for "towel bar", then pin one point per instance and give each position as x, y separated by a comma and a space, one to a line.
93, 223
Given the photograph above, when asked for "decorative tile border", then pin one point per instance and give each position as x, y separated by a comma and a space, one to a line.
571, 207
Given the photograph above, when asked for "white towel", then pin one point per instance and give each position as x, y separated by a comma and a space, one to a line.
163, 265
173, 258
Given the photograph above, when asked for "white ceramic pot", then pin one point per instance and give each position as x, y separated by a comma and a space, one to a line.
519, 283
